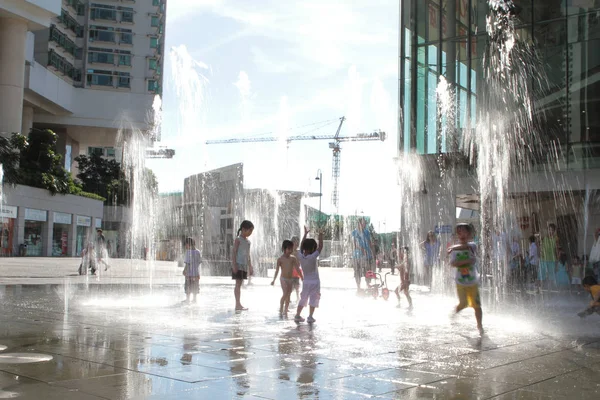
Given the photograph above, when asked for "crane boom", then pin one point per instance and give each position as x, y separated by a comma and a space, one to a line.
334, 146
375, 135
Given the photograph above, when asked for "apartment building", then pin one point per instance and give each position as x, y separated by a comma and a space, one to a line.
84, 69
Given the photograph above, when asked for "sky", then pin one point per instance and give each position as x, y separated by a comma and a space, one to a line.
238, 68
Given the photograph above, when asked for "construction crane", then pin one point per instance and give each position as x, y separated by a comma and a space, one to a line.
335, 146
161, 152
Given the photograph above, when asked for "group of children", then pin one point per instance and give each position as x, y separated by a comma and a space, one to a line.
302, 264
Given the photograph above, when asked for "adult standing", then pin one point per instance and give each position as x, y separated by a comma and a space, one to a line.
432, 256
548, 257
393, 257
101, 253
363, 251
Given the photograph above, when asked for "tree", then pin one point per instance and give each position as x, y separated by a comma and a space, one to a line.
10, 153
41, 166
103, 177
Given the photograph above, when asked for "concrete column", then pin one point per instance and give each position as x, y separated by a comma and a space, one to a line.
72, 246
19, 230
27, 122
47, 235
13, 37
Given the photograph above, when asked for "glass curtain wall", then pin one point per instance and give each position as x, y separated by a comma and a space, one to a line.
448, 38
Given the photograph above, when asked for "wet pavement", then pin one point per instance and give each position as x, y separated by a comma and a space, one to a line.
136, 341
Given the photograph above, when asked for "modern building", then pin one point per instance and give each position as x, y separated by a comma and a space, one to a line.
214, 205
85, 69
446, 41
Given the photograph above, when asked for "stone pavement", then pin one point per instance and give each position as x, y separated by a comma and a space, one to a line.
132, 340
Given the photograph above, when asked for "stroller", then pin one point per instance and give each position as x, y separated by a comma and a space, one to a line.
375, 283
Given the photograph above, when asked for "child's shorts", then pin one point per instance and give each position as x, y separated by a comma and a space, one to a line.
468, 296
192, 285
240, 275
311, 294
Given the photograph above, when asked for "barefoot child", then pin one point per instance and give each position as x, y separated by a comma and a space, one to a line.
590, 285
191, 270
288, 263
463, 258
296, 273
311, 288
404, 271
241, 266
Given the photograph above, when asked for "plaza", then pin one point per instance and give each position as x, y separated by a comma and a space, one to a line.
124, 336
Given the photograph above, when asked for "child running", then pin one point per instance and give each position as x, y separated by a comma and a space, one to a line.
191, 270
590, 285
311, 288
241, 266
463, 258
296, 273
404, 271
288, 263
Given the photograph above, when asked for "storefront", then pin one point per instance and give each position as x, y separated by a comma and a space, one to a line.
60, 234
8, 216
83, 232
34, 228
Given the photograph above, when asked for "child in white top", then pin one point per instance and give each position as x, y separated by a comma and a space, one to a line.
311, 288
241, 266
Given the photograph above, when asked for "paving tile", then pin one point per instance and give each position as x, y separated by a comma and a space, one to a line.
454, 388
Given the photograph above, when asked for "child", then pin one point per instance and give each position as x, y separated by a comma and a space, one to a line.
88, 260
590, 285
192, 270
463, 258
534, 257
241, 264
311, 288
288, 263
404, 271
296, 273
562, 277
576, 271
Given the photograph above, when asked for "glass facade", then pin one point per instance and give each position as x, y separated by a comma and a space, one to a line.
448, 38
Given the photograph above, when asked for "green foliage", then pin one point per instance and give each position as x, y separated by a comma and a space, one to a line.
10, 153
40, 165
103, 177
91, 196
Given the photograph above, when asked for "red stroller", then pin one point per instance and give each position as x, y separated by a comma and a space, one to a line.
375, 283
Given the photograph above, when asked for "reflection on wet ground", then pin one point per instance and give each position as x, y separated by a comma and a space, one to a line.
133, 342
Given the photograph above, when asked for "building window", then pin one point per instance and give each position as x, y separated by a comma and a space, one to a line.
153, 42
126, 36
156, 2
102, 34
126, 14
98, 77
78, 6
110, 151
124, 80
152, 64
101, 11
154, 21
152, 85
101, 58
95, 151
125, 59
68, 154
70, 23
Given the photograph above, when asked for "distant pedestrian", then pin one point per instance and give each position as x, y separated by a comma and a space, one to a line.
431, 245
191, 271
548, 258
576, 271
463, 257
534, 258
101, 253
311, 288
393, 257
241, 266
404, 270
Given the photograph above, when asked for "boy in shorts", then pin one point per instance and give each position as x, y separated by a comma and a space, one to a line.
590, 285
191, 271
311, 288
463, 258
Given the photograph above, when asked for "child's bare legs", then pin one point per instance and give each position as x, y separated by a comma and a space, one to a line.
479, 318
405, 291
236, 293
